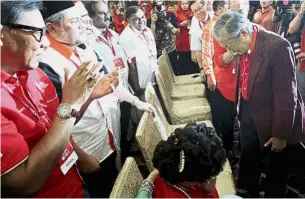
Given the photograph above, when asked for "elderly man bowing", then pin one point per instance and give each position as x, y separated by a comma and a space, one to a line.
271, 109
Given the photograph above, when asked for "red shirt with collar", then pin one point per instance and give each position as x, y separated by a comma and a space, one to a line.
23, 127
227, 77
244, 67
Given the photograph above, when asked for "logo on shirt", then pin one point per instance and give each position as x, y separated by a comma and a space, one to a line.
42, 86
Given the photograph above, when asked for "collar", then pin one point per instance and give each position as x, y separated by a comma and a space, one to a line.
8, 78
137, 31
108, 33
63, 49
253, 41
267, 10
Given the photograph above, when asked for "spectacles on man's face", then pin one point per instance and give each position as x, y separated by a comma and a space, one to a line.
37, 32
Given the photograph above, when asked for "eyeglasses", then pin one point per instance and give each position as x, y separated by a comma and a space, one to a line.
39, 32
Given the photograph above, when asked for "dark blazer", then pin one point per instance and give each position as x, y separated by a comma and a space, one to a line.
275, 104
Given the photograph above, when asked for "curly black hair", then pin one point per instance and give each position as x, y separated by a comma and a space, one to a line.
203, 151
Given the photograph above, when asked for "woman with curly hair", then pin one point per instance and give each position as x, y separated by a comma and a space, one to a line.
187, 164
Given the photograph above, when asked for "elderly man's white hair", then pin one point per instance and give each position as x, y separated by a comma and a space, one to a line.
230, 25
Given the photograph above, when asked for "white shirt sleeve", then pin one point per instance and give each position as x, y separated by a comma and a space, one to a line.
195, 32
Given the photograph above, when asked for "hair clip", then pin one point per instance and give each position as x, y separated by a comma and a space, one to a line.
176, 140
182, 161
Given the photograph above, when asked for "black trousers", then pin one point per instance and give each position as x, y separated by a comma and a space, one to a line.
223, 116
125, 121
100, 182
254, 160
186, 65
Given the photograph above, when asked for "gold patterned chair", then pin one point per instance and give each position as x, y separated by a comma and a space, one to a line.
178, 80
183, 111
179, 92
151, 97
148, 137
129, 181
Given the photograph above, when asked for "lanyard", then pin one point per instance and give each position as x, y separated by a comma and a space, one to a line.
27, 104
146, 41
108, 42
77, 56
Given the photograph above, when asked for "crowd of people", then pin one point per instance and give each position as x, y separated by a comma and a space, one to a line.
73, 80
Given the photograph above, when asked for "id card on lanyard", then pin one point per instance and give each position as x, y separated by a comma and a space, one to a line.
118, 61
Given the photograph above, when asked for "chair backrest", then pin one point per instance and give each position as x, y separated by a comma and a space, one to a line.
169, 67
129, 181
148, 137
165, 72
152, 98
167, 77
165, 94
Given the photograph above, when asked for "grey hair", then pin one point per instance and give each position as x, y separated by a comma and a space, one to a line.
56, 18
230, 24
11, 11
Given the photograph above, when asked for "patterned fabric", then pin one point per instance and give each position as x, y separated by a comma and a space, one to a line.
129, 181
177, 80
211, 69
165, 38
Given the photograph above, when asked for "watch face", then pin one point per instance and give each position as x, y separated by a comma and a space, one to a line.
64, 110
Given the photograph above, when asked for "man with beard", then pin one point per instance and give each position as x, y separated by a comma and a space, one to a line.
106, 43
94, 134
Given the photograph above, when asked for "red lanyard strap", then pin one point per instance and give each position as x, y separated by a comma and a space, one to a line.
108, 42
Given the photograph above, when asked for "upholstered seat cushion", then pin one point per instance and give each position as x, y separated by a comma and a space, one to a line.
188, 92
187, 79
192, 110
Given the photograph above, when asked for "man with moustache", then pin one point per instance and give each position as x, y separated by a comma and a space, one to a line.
106, 42
94, 134
138, 42
37, 157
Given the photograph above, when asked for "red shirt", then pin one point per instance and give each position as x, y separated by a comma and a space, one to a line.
28, 105
227, 79
163, 190
244, 68
183, 40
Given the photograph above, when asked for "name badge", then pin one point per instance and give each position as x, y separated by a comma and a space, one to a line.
119, 63
68, 159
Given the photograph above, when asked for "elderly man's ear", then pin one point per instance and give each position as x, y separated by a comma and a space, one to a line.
51, 28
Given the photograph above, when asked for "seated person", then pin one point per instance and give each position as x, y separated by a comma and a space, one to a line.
186, 165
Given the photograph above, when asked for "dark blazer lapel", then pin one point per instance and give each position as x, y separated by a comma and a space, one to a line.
256, 60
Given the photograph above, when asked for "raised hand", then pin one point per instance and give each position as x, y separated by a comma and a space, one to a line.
78, 88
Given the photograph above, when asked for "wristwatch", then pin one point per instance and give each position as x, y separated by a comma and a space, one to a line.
65, 111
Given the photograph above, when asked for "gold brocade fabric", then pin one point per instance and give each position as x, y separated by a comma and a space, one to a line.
183, 111
164, 62
129, 181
